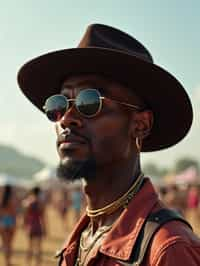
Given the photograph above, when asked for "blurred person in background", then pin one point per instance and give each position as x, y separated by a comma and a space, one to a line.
34, 224
193, 197
8, 213
162, 191
77, 199
171, 196
63, 206
193, 206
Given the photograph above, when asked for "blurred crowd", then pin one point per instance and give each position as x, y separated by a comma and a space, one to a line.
20, 208
26, 209
185, 199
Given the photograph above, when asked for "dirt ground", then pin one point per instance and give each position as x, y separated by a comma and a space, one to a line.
57, 233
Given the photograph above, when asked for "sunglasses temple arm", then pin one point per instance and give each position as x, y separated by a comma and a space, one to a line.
130, 105
122, 103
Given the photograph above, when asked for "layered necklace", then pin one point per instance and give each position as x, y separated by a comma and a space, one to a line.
123, 201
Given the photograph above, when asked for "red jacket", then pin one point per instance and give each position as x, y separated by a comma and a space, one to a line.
174, 244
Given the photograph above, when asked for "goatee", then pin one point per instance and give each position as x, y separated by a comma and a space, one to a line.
72, 170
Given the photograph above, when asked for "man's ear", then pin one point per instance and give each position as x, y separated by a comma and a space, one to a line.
142, 123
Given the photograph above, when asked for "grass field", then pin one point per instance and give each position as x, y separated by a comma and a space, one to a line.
56, 234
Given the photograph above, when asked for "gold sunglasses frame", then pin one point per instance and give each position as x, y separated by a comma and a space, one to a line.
138, 108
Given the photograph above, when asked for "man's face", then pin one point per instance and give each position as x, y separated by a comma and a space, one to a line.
98, 142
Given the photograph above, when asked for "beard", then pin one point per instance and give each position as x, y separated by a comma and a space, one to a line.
72, 170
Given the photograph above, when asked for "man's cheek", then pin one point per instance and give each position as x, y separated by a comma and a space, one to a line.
107, 146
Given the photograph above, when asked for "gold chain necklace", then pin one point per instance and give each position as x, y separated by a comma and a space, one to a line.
122, 201
87, 249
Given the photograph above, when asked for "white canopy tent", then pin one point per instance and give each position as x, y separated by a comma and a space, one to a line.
6, 179
45, 174
188, 176
45, 177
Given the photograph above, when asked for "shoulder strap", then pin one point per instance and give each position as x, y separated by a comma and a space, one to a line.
151, 226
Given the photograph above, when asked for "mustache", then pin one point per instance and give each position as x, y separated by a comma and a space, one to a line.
71, 132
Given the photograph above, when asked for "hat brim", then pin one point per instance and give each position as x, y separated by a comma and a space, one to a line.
43, 76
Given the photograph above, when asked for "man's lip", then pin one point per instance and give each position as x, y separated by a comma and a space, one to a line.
70, 145
72, 136
72, 140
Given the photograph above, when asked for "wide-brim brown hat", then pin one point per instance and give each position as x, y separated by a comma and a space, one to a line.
111, 52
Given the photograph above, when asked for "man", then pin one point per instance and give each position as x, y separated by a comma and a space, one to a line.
110, 102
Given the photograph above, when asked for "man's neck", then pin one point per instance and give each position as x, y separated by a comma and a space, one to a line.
109, 185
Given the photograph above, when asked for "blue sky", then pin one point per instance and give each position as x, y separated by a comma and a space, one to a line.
169, 29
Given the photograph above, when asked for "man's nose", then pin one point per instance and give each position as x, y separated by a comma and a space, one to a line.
71, 118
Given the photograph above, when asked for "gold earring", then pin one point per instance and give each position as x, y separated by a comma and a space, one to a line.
138, 143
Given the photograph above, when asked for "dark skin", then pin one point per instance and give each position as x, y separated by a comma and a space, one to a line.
111, 141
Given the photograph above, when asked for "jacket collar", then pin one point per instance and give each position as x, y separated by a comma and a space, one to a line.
121, 239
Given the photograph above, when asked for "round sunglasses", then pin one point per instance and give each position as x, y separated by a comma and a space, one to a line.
88, 103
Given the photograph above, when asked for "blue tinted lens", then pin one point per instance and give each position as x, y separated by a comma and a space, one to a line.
55, 107
88, 102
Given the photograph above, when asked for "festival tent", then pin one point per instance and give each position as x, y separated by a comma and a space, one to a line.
44, 175
189, 176
6, 179
47, 178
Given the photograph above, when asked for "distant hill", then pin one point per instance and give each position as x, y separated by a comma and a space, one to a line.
13, 162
